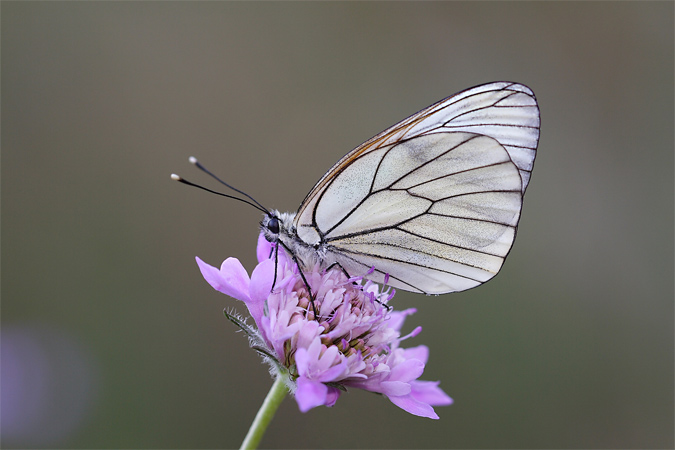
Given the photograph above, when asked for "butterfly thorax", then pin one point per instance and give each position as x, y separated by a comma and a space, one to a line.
278, 228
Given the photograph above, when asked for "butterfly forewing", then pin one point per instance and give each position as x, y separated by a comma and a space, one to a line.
433, 201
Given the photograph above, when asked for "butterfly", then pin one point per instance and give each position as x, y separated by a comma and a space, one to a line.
430, 205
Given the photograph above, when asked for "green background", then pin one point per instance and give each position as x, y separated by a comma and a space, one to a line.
116, 341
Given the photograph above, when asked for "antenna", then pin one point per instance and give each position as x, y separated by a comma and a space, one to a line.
194, 161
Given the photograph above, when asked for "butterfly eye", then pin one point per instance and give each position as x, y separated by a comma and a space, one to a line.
273, 225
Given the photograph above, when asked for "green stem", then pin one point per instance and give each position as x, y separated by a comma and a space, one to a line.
265, 414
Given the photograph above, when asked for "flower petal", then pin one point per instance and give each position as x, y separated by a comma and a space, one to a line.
397, 318
429, 392
231, 279
420, 353
302, 361
260, 288
407, 371
395, 388
262, 279
311, 394
264, 248
333, 395
334, 373
409, 404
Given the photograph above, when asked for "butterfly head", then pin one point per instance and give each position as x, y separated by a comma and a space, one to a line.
277, 226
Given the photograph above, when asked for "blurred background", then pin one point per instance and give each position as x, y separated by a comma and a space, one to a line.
112, 339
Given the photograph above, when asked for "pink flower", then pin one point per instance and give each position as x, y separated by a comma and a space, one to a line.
353, 342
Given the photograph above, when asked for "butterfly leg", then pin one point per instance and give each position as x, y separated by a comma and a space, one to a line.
276, 263
341, 268
302, 275
389, 307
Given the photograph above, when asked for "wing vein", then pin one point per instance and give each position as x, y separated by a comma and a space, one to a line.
388, 244
386, 258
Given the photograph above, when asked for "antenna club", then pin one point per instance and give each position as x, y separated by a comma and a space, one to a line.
193, 160
175, 177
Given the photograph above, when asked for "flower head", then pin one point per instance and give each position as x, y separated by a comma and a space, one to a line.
352, 341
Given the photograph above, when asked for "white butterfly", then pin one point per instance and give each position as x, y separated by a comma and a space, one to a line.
432, 202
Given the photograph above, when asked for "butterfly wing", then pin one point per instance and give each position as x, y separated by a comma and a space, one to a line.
433, 201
